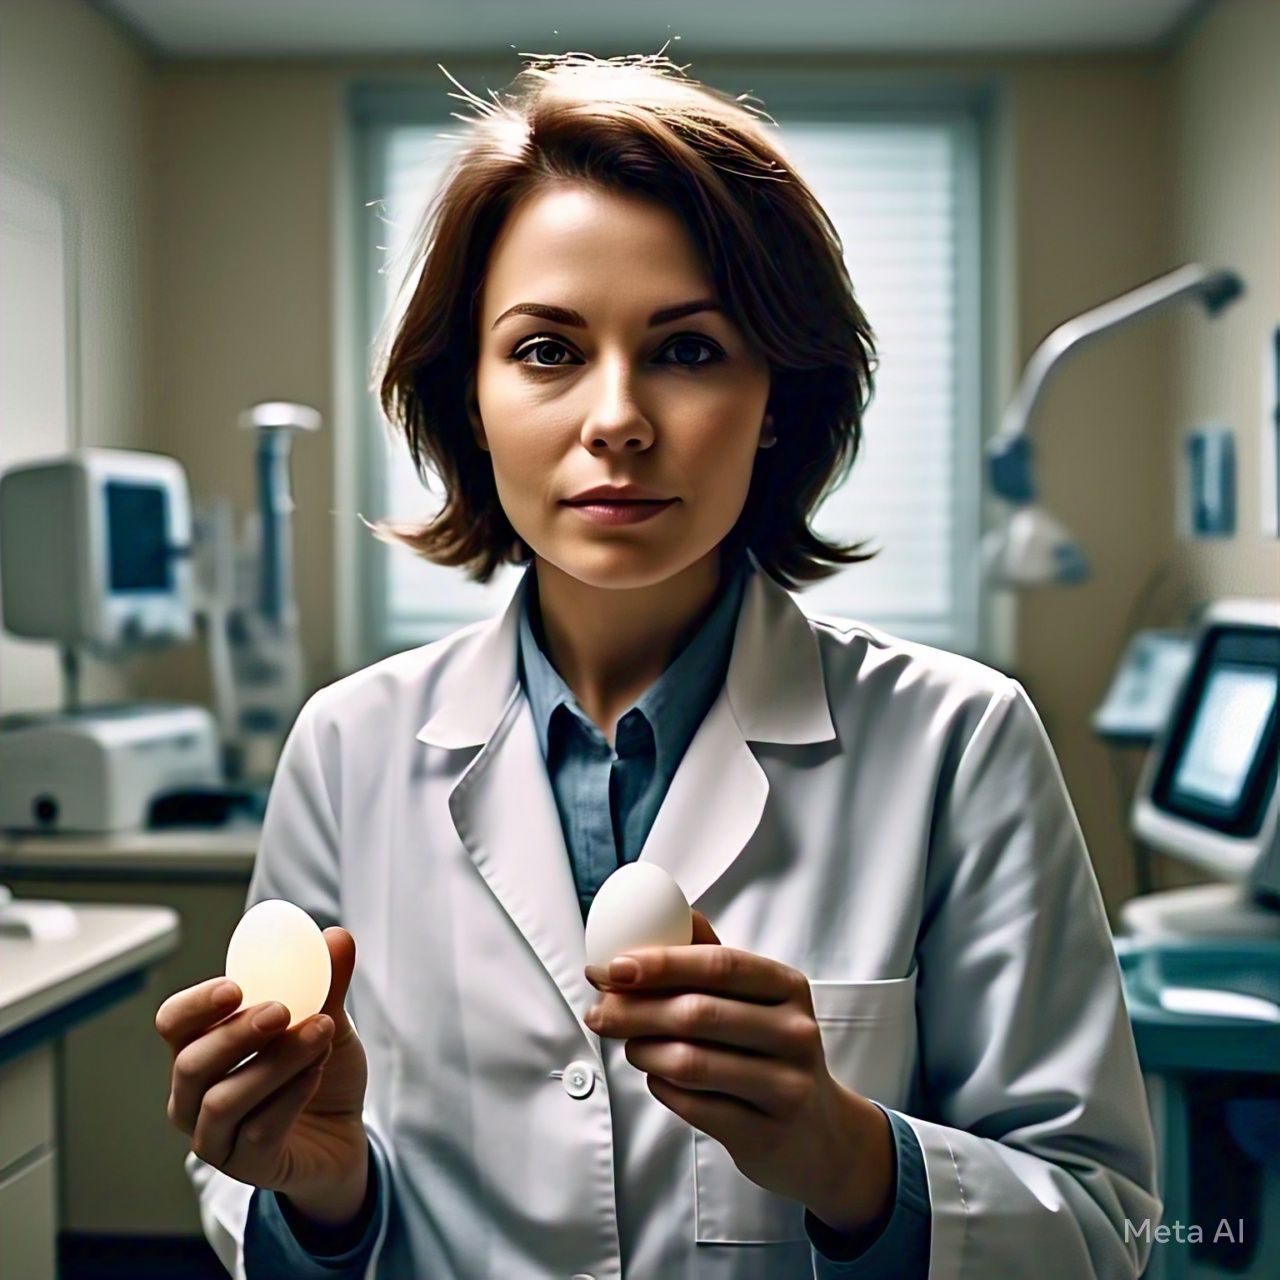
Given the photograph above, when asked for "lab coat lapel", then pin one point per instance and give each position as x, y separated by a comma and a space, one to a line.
506, 816
773, 692
504, 809
502, 804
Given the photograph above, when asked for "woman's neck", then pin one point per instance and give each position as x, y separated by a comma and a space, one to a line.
610, 644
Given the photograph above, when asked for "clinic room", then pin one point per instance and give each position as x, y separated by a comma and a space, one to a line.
483, 798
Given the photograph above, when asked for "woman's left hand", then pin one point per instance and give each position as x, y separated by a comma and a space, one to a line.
730, 1043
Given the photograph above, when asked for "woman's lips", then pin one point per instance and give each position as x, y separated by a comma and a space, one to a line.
629, 512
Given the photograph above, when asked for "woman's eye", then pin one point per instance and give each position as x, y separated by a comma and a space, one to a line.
689, 344
541, 344
682, 346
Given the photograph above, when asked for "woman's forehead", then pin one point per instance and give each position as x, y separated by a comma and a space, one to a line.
569, 246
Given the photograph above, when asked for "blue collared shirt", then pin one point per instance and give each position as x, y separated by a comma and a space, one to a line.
608, 797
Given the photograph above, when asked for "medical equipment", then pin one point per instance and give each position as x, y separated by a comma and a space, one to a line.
1209, 794
1206, 1021
94, 550
1201, 965
101, 553
1033, 548
101, 769
1226, 1004
244, 594
1142, 693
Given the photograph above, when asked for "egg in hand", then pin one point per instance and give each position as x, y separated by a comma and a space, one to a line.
639, 905
277, 952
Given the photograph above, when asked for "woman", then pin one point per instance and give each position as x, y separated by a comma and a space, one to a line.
898, 1044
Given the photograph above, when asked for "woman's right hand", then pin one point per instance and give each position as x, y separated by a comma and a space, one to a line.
289, 1119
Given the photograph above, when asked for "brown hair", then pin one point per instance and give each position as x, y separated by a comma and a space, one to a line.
636, 125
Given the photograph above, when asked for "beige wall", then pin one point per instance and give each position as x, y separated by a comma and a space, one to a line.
244, 202
1106, 172
1226, 129
1226, 107
75, 101
1091, 185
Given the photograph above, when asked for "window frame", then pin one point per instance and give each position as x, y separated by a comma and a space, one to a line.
375, 108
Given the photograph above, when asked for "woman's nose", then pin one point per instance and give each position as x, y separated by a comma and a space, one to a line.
615, 418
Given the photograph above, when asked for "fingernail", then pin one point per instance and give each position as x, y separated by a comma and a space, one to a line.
315, 1032
623, 969
271, 1017
225, 993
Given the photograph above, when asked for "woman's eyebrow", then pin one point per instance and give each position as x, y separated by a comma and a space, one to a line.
567, 316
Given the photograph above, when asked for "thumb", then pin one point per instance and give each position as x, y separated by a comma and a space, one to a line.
702, 930
342, 959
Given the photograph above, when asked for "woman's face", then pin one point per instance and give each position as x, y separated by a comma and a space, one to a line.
597, 394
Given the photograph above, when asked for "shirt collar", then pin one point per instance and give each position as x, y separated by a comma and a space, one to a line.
675, 703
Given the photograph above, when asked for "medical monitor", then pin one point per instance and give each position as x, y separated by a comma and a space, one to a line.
1208, 793
95, 551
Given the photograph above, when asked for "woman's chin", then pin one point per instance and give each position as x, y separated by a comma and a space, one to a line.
615, 564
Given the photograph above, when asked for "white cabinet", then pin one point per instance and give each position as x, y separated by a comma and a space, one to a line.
47, 987
28, 1185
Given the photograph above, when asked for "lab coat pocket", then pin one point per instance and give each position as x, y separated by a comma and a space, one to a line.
869, 1037
731, 1209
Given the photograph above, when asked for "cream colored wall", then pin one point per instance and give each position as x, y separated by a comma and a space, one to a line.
1091, 181
1227, 110
244, 249
75, 113
1226, 115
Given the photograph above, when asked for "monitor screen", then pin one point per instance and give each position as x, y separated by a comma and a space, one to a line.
137, 537
1225, 735
1217, 769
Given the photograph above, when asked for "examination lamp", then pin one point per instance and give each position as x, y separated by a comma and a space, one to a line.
1032, 548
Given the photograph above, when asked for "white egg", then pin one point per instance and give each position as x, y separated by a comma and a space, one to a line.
277, 952
639, 905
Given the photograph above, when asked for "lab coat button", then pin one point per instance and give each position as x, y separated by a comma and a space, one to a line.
579, 1078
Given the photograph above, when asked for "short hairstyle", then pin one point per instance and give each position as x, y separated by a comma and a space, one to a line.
636, 125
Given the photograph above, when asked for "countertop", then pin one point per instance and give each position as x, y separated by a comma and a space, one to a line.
228, 850
40, 978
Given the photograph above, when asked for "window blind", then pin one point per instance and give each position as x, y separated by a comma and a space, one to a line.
902, 194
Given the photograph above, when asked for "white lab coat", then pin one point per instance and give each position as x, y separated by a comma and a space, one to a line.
887, 817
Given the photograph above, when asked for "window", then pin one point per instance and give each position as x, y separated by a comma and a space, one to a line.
900, 181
